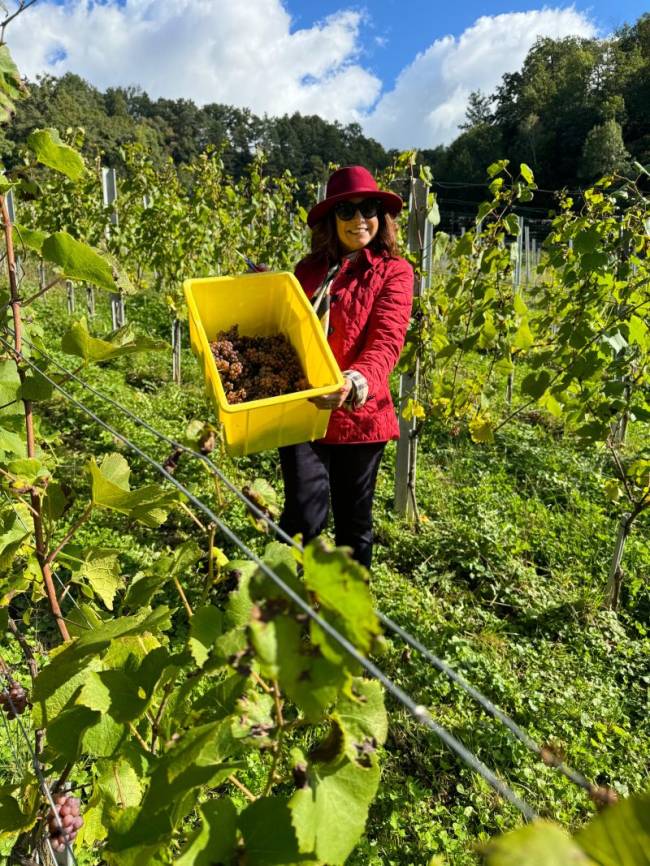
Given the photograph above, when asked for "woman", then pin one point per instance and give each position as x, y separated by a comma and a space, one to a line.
362, 291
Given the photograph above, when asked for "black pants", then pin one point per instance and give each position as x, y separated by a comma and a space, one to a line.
314, 472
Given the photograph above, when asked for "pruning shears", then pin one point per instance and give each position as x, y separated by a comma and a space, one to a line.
251, 264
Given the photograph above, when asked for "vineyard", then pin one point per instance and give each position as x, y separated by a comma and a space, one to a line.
183, 683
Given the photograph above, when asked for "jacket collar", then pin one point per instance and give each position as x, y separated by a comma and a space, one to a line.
368, 258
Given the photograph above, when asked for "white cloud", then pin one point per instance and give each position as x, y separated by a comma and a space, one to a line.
240, 52
430, 96
245, 53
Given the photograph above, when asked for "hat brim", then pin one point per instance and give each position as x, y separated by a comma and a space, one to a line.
391, 203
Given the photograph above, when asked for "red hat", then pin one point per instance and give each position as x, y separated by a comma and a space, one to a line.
349, 182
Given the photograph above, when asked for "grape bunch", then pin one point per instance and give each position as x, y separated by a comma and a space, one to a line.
14, 701
252, 368
67, 808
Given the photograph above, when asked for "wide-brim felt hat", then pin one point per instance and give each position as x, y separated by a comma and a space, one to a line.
352, 181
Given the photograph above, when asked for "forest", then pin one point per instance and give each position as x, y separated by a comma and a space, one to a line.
576, 109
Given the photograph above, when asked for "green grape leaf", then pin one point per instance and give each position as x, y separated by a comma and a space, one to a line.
220, 700
10, 83
433, 214
78, 261
526, 173
35, 387
27, 470
119, 782
12, 817
519, 305
142, 589
511, 224
329, 813
239, 607
12, 443
196, 759
638, 331
361, 716
342, 588
620, 834
216, 839
254, 718
49, 150
587, 240
78, 341
135, 835
205, 627
523, 338
307, 677
504, 366
149, 505
269, 837
534, 384
30, 238
71, 664
497, 167
66, 730
15, 527
101, 568
538, 844
184, 557
56, 685
9, 381
103, 738
116, 692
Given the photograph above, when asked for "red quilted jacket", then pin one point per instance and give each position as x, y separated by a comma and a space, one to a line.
370, 308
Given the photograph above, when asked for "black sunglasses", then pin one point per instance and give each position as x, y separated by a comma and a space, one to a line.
346, 210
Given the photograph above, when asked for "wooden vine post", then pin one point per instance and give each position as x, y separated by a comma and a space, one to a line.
405, 471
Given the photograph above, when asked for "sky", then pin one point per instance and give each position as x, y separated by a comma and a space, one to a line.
402, 69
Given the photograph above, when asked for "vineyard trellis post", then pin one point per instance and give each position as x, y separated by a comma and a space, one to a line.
405, 470
109, 192
11, 208
176, 351
518, 249
69, 289
615, 573
90, 301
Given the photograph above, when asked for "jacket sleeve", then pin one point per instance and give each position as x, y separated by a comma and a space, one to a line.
387, 325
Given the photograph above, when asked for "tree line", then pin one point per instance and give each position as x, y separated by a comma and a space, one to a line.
576, 109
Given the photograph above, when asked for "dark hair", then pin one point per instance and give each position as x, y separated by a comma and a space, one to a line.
325, 241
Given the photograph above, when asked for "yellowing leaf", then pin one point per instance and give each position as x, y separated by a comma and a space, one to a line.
412, 410
612, 490
481, 429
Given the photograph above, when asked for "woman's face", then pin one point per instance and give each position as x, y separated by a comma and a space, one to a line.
357, 232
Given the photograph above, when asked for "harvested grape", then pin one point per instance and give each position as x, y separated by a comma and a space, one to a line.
252, 368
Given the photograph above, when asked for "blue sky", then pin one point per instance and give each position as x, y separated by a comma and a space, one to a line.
403, 69
407, 27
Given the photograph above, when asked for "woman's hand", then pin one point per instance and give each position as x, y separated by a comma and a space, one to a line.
334, 400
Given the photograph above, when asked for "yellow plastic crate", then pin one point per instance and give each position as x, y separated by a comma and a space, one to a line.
263, 304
